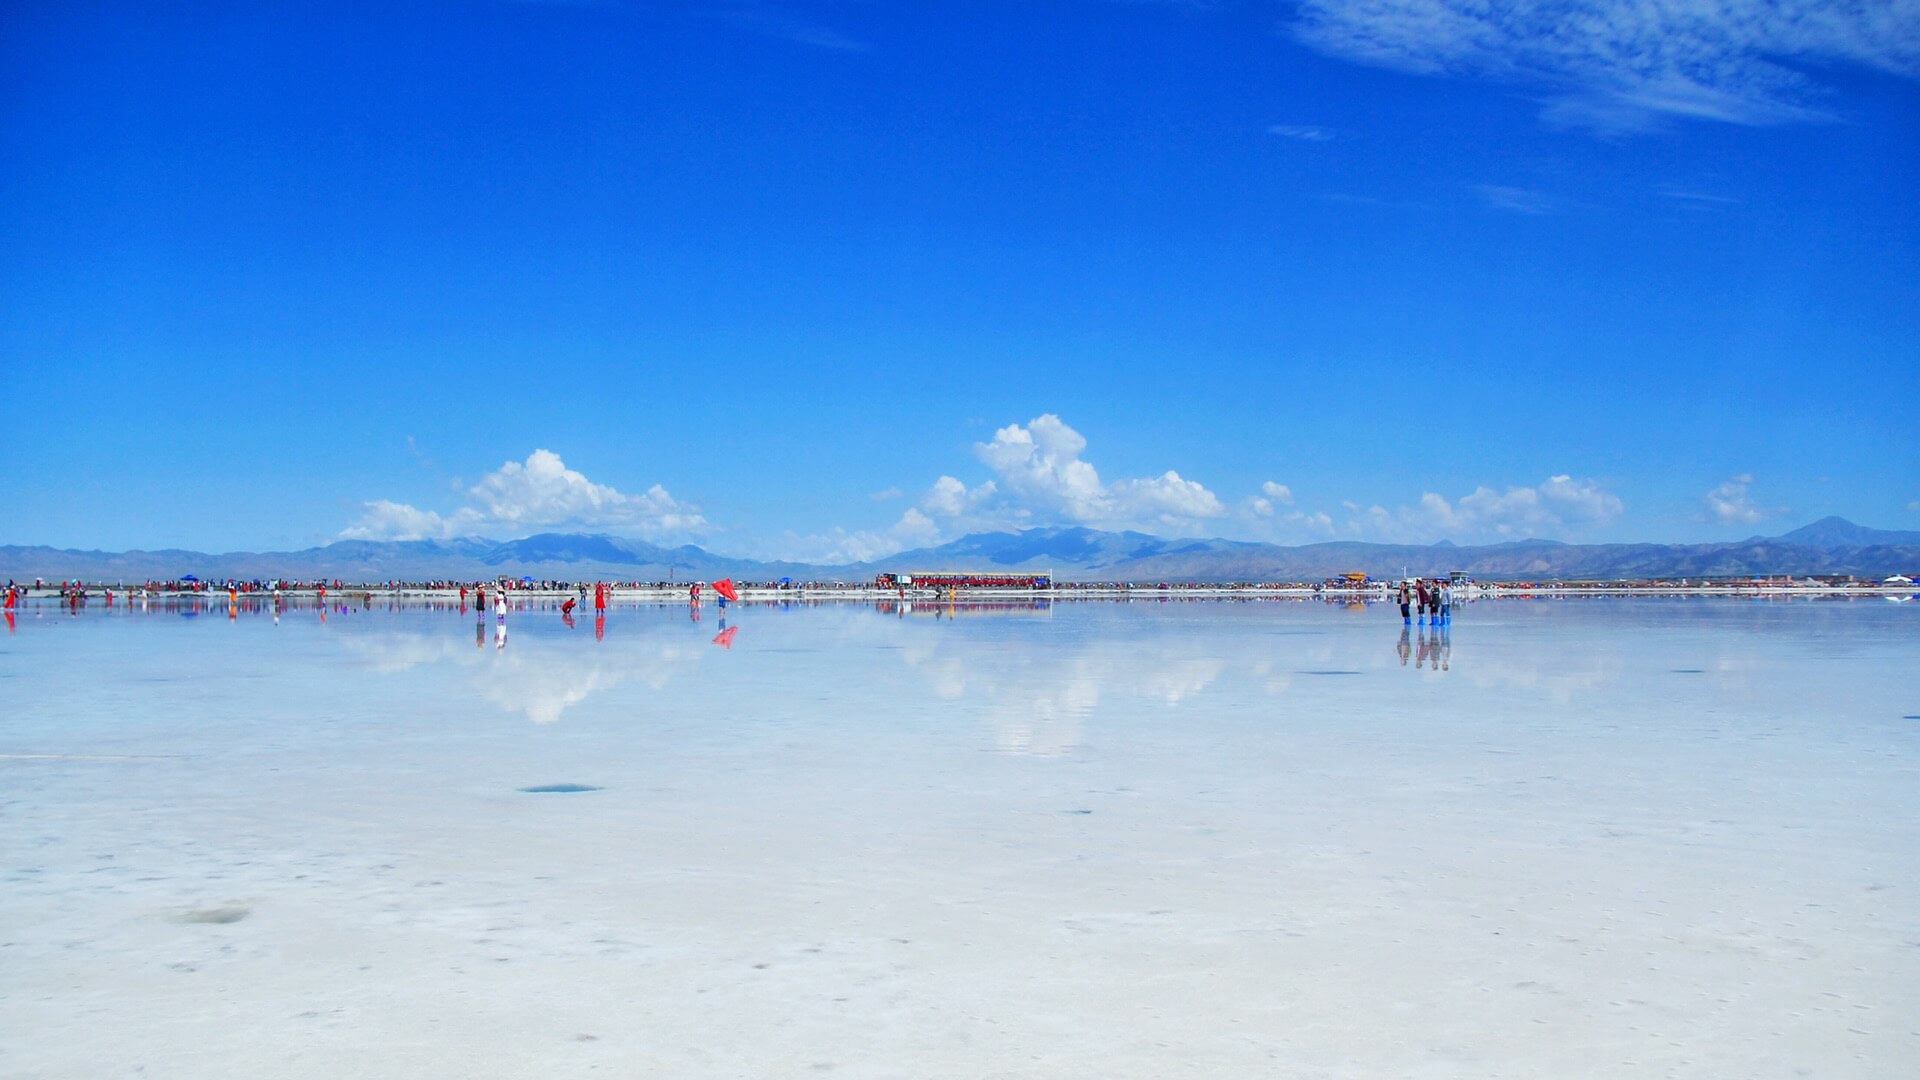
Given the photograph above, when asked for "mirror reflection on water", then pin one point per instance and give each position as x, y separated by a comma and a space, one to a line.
950, 836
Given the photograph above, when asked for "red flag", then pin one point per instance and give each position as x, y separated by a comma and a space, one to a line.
724, 638
725, 588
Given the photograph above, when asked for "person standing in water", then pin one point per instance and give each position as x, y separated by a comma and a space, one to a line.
1406, 604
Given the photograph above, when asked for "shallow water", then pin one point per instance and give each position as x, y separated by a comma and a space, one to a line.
1563, 838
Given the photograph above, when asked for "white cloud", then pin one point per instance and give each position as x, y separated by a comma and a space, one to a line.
1301, 132
1729, 503
1165, 498
1261, 506
838, 545
760, 19
1560, 505
886, 494
1698, 200
383, 519
525, 497
1621, 65
949, 497
1040, 476
1261, 521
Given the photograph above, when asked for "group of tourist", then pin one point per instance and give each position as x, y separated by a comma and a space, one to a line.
1434, 598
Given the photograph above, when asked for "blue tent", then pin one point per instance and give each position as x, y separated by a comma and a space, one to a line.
188, 577
528, 580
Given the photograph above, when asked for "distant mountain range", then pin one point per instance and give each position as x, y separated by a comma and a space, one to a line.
1829, 546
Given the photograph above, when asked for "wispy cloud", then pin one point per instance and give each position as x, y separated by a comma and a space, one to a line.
1624, 65
1729, 504
1514, 199
1698, 200
524, 497
421, 456
1560, 505
780, 21
1301, 132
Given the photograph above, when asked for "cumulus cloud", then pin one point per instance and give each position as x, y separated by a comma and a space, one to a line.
383, 519
1622, 65
1038, 478
1560, 505
1262, 505
1039, 475
524, 497
1729, 504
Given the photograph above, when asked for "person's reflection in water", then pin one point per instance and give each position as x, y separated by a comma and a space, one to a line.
480, 633
1443, 654
500, 636
566, 616
599, 628
9, 620
1405, 647
1426, 650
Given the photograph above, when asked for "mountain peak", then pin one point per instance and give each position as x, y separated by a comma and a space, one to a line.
1833, 531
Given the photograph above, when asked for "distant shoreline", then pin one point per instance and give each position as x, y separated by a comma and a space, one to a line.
1059, 592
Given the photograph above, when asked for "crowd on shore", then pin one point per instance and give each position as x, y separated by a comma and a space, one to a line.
1425, 597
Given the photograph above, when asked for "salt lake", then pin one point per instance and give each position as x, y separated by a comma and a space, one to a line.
1583, 838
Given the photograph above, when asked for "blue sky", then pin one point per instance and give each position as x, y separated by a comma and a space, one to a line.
828, 279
